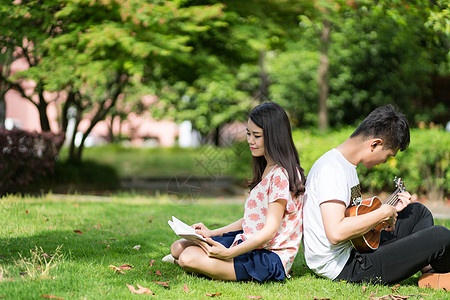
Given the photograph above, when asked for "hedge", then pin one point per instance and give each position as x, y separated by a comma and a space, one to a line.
26, 157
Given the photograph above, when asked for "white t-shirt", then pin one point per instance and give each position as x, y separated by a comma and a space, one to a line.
332, 177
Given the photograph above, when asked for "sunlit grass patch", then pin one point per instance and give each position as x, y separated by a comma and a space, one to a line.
39, 263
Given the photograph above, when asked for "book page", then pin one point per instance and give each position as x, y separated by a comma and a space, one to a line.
183, 230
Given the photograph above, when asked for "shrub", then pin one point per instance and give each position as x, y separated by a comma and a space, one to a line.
26, 157
424, 166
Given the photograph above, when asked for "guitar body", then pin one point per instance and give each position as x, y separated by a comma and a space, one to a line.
370, 240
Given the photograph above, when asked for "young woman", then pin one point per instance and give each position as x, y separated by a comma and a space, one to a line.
262, 245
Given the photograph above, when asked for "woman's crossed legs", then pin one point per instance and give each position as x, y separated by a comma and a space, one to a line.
189, 256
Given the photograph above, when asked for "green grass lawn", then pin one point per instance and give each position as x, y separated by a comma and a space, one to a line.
64, 246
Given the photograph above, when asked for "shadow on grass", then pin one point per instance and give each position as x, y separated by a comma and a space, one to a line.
68, 177
103, 248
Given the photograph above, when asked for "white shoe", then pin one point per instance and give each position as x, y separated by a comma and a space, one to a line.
168, 259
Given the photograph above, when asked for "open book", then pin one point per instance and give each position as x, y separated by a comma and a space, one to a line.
183, 230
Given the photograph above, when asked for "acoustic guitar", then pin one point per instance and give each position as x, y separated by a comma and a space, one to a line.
371, 240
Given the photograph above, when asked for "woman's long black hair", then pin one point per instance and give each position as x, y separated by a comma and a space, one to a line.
278, 145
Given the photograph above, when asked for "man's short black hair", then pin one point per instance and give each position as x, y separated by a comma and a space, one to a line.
388, 124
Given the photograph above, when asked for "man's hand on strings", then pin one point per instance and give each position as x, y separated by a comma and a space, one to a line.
404, 198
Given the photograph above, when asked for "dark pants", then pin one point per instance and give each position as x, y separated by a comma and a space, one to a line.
414, 244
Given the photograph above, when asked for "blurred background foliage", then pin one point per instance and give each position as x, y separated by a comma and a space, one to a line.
424, 166
328, 63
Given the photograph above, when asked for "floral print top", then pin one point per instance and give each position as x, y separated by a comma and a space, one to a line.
287, 240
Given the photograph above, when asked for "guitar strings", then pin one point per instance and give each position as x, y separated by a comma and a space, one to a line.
393, 198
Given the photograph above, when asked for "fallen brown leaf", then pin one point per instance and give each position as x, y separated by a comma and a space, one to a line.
26, 212
141, 290
51, 297
390, 297
114, 268
373, 294
395, 288
185, 288
164, 284
125, 267
158, 272
152, 262
213, 295
78, 231
364, 288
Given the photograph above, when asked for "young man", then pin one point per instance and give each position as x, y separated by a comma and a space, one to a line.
410, 243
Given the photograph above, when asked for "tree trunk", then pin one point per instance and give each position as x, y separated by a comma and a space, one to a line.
111, 137
217, 136
2, 112
263, 90
323, 71
5, 72
42, 108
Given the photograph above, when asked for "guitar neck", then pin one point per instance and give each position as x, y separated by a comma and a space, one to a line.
393, 198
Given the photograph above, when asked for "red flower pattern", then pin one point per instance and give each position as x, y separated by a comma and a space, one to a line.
251, 204
259, 226
254, 217
260, 196
294, 236
264, 182
280, 196
248, 230
277, 181
283, 184
291, 206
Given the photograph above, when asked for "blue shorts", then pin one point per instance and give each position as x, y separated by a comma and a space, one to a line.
259, 264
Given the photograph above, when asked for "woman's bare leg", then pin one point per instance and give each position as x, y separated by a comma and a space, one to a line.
179, 246
194, 259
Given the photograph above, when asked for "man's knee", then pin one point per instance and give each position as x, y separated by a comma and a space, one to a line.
442, 233
419, 208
